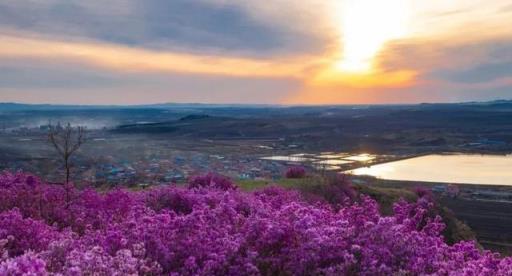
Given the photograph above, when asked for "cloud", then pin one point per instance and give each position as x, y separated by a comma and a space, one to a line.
276, 51
191, 25
123, 58
485, 72
66, 83
505, 9
422, 92
423, 70
479, 60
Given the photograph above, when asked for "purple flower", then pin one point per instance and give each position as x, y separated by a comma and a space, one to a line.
212, 180
213, 228
296, 172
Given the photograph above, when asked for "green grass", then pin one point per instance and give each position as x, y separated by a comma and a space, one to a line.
384, 195
249, 185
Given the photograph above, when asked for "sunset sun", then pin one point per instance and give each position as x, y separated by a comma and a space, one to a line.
367, 25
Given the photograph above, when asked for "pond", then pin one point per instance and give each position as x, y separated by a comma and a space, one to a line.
446, 168
330, 161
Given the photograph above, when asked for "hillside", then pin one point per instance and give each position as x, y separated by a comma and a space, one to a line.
210, 227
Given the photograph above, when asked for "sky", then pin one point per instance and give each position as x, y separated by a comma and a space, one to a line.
255, 52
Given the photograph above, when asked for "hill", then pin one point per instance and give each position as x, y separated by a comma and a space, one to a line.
211, 227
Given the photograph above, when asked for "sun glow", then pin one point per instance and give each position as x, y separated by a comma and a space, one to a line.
367, 26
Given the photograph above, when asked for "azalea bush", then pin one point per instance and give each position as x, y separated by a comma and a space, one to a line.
337, 190
295, 172
207, 229
212, 180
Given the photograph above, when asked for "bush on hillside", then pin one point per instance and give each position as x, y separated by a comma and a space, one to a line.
212, 180
296, 172
209, 230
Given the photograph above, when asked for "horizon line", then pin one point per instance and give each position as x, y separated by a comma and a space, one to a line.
244, 104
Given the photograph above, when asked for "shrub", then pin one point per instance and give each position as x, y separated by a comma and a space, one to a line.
295, 172
207, 230
27, 264
212, 180
334, 189
423, 192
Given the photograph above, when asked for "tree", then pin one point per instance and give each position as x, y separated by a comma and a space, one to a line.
66, 140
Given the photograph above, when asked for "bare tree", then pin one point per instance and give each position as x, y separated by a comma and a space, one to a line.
66, 140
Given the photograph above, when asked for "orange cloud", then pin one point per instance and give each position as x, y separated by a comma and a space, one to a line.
316, 73
333, 86
372, 79
351, 95
128, 59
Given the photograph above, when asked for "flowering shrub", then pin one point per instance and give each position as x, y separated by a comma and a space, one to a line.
211, 230
295, 172
337, 191
423, 192
212, 180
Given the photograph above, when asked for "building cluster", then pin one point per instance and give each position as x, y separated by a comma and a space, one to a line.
178, 169
156, 170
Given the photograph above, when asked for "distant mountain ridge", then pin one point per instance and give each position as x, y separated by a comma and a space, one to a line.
12, 106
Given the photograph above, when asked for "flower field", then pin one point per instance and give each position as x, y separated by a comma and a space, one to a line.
212, 228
